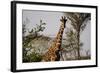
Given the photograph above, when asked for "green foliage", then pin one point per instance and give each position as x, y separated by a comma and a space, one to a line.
77, 21
85, 57
34, 33
70, 39
39, 28
33, 57
26, 59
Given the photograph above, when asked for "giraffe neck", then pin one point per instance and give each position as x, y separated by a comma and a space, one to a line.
59, 36
58, 40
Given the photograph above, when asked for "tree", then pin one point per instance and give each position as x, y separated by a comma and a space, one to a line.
71, 39
39, 28
33, 33
71, 42
26, 40
77, 21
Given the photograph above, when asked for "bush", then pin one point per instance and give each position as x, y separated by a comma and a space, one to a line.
26, 59
34, 57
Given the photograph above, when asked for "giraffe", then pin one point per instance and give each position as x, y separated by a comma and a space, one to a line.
53, 52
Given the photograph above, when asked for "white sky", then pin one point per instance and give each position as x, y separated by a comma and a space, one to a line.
52, 19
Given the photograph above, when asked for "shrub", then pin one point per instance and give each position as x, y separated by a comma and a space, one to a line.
34, 57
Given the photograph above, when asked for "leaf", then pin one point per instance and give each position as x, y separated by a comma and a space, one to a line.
83, 27
43, 23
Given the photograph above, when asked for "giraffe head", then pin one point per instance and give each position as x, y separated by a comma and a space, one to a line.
63, 20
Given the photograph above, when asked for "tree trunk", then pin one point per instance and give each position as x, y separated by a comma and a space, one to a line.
78, 43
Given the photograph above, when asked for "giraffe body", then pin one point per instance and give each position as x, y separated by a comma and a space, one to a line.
53, 52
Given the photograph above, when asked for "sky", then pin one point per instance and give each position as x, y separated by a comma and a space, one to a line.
52, 19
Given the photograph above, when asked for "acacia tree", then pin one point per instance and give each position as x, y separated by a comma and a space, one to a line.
33, 33
77, 21
71, 40
39, 28
26, 39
